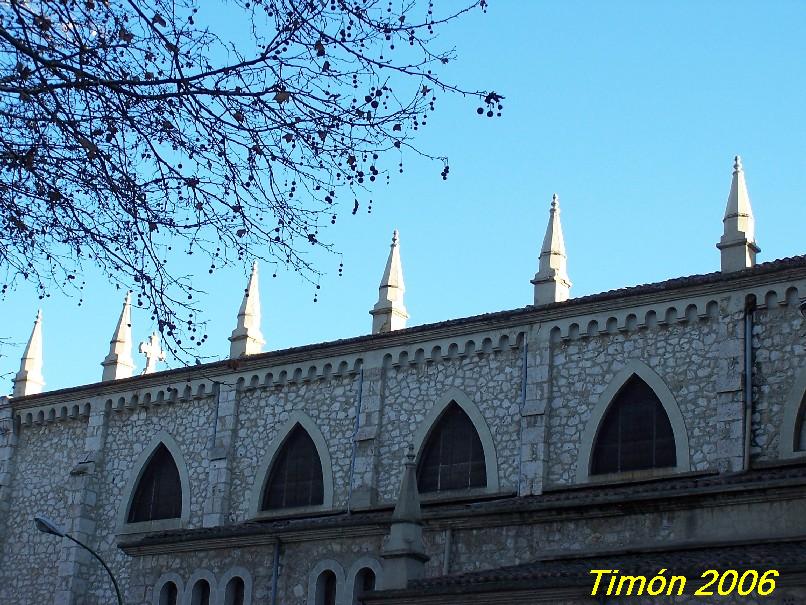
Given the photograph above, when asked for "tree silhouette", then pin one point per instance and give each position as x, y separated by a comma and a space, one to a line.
133, 131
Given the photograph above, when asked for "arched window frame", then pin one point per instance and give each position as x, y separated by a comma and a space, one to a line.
199, 584
792, 419
136, 472
356, 568
313, 578
656, 383
201, 574
430, 422
162, 581
268, 460
240, 572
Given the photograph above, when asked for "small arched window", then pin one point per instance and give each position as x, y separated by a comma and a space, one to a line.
453, 457
201, 593
364, 582
234, 592
169, 594
158, 494
296, 474
326, 588
635, 433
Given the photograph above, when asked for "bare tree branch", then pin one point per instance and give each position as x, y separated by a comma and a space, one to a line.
132, 133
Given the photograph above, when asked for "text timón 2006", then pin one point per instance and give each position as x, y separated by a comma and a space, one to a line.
611, 583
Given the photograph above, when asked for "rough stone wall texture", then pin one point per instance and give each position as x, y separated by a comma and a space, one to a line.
129, 433
779, 346
492, 382
686, 356
699, 360
263, 413
44, 456
497, 546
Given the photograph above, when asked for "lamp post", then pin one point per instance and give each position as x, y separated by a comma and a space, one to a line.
46, 526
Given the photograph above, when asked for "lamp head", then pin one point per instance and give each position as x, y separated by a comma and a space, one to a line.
46, 526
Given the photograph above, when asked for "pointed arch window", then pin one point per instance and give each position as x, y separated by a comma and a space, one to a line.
635, 433
453, 456
158, 494
296, 475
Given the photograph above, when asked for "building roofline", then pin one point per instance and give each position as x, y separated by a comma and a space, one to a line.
791, 267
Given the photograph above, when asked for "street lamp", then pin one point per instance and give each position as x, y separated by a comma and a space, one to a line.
46, 526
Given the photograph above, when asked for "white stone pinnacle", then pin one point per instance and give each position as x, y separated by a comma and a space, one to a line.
551, 280
29, 380
153, 352
119, 363
738, 243
389, 313
246, 338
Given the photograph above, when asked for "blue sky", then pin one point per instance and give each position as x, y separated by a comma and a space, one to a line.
630, 111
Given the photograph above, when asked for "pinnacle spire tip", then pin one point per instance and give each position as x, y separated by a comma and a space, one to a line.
555, 202
737, 163
395, 237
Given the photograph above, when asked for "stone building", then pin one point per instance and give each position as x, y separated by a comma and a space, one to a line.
491, 459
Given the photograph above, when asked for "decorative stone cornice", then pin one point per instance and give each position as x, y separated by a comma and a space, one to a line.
349, 355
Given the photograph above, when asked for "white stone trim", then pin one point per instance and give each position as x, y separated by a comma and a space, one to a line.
123, 527
352, 573
264, 468
479, 422
656, 383
201, 574
789, 423
313, 577
233, 572
169, 576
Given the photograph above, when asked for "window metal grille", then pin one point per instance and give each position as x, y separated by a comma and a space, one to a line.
296, 475
635, 433
159, 491
453, 457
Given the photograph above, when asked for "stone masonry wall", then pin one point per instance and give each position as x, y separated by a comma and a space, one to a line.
190, 424
699, 359
685, 356
263, 413
492, 382
779, 345
45, 455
